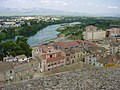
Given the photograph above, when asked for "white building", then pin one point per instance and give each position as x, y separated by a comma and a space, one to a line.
9, 24
21, 58
9, 59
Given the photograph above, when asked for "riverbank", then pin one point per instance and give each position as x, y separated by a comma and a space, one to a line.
71, 32
45, 35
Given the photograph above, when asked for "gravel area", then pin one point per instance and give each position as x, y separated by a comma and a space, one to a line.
87, 79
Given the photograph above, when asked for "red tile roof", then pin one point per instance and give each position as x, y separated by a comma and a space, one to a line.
46, 48
52, 53
49, 60
85, 41
66, 44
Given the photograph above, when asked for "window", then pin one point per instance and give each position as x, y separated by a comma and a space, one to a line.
58, 62
48, 65
73, 61
50, 56
51, 64
67, 59
83, 60
10, 71
67, 54
59, 54
76, 46
31, 64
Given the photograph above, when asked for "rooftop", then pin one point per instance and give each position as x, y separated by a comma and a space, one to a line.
46, 49
86, 42
31, 60
91, 26
49, 60
6, 66
66, 44
21, 57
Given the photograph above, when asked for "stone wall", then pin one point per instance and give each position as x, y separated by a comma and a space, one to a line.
87, 79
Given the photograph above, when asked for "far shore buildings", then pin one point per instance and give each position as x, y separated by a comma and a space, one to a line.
10, 24
113, 32
93, 34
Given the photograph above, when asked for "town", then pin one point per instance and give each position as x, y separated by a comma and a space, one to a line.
94, 48
60, 45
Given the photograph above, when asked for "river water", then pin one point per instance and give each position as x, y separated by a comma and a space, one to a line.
47, 33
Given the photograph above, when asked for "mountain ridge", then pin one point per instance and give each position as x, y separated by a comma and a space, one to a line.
44, 11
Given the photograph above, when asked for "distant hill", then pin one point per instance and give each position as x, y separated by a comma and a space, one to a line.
35, 11
43, 11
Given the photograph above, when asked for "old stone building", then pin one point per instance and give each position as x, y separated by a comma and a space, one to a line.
26, 69
94, 53
6, 72
93, 34
15, 70
51, 58
113, 32
73, 55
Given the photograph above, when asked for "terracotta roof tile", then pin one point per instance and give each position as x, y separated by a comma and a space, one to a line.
66, 44
85, 41
49, 60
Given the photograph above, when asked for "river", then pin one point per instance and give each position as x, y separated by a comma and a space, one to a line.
47, 33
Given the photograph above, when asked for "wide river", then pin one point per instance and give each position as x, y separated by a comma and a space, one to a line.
47, 33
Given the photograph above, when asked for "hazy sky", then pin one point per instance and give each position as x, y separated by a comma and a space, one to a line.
82, 6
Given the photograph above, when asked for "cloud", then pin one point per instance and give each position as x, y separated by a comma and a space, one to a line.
65, 4
89, 3
112, 7
57, 1
45, 1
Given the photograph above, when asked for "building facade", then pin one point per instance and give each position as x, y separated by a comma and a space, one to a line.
51, 58
6, 72
113, 32
26, 69
93, 34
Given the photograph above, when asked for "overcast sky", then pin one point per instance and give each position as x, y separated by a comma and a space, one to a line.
82, 6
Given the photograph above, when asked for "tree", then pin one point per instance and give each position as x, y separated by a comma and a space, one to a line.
14, 48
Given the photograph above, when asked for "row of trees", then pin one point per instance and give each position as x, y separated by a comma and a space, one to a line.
14, 48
